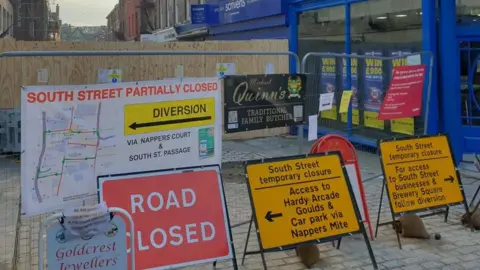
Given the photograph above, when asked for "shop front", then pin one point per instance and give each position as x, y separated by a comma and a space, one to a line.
244, 20
202, 16
445, 35
236, 20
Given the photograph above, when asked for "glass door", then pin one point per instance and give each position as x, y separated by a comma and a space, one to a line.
470, 92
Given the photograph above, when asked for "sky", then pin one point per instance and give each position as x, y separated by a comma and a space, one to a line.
85, 12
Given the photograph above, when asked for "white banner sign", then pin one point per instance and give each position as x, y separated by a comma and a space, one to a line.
72, 134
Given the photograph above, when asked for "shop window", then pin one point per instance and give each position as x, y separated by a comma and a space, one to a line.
374, 21
468, 12
469, 51
388, 28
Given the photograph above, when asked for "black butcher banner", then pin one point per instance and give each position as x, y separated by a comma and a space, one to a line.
263, 101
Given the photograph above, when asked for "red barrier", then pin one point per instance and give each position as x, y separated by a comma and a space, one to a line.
333, 142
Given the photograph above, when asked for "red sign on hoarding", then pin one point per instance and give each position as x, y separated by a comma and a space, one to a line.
179, 216
404, 95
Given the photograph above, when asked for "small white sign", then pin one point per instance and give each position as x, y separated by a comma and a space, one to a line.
148, 38
225, 69
87, 221
109, 76
414, 60
179, 71
312, 127
269, 68
298, 113
42, 75
326, 101
165, 35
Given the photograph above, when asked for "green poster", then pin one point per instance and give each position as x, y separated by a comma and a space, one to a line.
206, 142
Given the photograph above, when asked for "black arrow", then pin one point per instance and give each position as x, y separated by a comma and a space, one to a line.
449, 179
269, 216
136, 125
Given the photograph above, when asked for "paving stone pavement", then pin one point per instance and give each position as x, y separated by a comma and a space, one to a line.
457, 249
9, 208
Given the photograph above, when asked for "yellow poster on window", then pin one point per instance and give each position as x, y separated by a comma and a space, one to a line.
330, 114
371, 120
403, 126
345, 101
355, 117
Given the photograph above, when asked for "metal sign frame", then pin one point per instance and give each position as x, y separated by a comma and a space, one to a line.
437, 210
55, 217
253, 218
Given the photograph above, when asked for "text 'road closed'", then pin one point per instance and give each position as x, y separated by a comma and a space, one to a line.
300, 200
180, 217
168, 115
420, 173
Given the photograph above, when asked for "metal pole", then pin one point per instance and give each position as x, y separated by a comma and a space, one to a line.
132, 233
429, 92
348, 81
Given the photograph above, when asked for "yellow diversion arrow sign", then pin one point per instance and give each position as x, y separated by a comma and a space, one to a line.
168, 115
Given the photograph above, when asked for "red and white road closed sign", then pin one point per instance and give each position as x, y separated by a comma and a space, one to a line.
179, 216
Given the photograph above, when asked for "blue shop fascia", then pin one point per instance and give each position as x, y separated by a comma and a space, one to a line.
236, 20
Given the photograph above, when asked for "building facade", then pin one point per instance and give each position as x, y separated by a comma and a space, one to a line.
136, 18
31, 19
169, 16
6, 18
446, 32
236, 20
113, 24
54, 24
132, 17
244, 20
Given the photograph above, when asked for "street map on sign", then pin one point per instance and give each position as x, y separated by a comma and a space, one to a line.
73, 134
72, 142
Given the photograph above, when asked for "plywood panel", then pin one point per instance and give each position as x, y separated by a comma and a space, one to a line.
75, 70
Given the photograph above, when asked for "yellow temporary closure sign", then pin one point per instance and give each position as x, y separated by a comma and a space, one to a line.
168, 115
301, 199
420, 173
